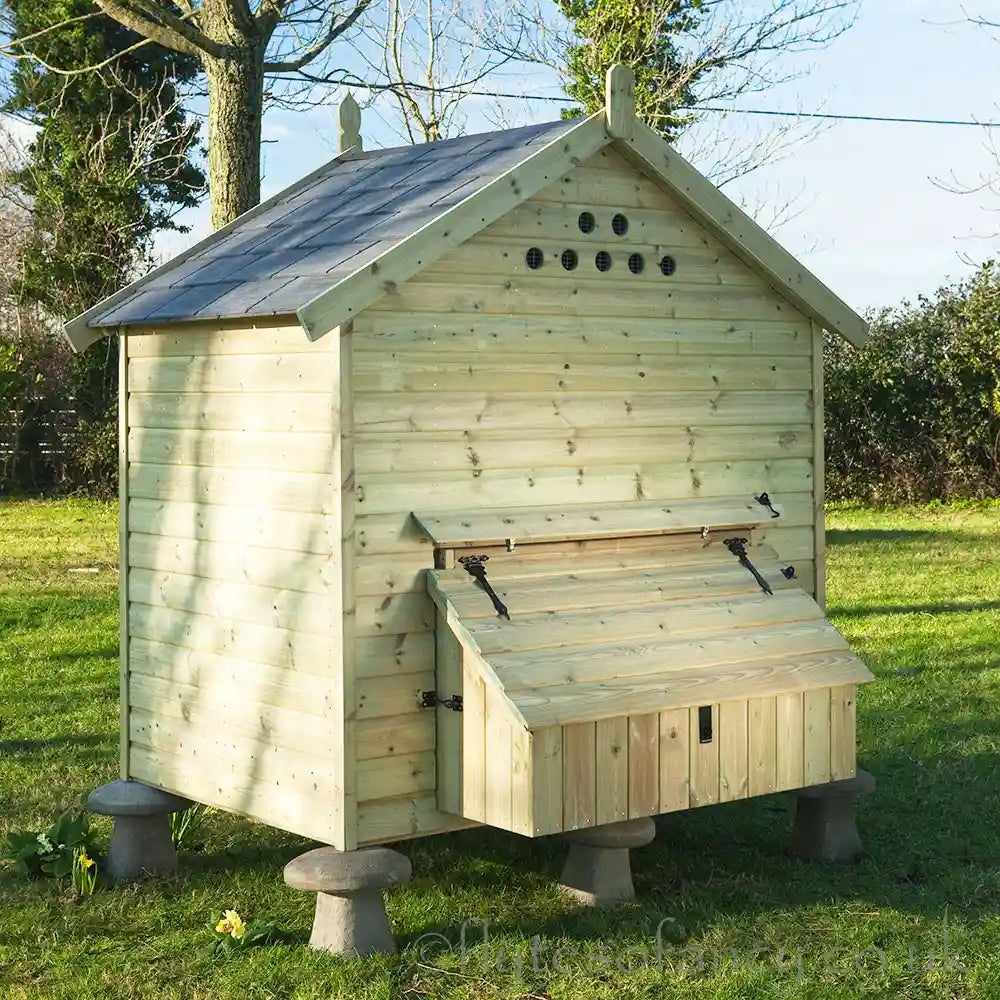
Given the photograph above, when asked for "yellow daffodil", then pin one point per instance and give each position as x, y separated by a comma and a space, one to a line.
86, 861
232, 924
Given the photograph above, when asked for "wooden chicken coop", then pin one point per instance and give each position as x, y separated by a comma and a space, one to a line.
479, 482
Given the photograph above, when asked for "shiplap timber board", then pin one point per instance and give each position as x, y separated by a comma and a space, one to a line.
310, 573
445, 334
593, 485
585, 297
843, 711
289, 531
225, 337
819, 469
392, 696
396, 735
790, 752
512, 410
394, 614
816, 750
762, 736
704, 758
474, 748
208, 373
678, 689
299, 813
563, 373
392, 655
547, 780
246, 411
579, 759
305, 492
613, 760
448, 672
733, 751
471, 451
301, 651
499, 762
521, 783
675, 759
643, 765
386, 777
298, 452
404, 817
458, 528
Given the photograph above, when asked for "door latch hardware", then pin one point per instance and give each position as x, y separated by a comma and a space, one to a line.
476, 568
788, 572
429, 699
765, 501
738, 547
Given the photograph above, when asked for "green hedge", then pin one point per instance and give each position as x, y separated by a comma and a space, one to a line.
915, 414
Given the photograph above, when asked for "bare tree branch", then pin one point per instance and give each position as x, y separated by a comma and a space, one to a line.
334, 30
162, 27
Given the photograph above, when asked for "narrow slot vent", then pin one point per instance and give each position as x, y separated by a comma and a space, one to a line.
705, 724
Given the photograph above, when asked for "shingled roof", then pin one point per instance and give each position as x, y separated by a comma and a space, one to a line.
344, 216
329, 246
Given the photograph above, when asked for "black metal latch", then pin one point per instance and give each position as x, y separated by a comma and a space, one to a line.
765, 501
429, 699
738, 547
476, 568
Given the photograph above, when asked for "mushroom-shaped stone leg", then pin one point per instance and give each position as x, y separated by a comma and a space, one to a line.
597, 871
140, 843
824, 828
350, 914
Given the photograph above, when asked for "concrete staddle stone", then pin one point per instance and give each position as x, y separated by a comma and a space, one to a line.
825, 829
140, 843
597, 870
350, 914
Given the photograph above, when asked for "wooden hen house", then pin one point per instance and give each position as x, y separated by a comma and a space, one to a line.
559, 347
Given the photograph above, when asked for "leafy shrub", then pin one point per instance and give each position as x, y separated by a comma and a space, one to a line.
53, 851
914, 415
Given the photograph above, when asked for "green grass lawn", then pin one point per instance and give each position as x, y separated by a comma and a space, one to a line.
917, 592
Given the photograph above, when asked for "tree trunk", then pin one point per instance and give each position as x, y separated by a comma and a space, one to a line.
235, 107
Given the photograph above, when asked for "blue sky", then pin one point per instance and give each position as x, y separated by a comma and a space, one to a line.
871, 221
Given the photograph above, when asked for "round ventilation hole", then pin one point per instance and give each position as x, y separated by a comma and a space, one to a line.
619, 225
668, 265
569, 260
635, 263
603, 260
586, 222
534, 258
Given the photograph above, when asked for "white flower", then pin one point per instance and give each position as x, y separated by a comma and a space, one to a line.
46, 844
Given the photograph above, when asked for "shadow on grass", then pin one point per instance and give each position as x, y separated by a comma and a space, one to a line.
859, 536
945, 607
29, 748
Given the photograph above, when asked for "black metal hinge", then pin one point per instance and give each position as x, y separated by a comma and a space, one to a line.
429, 699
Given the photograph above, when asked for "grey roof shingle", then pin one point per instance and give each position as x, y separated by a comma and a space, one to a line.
317, 233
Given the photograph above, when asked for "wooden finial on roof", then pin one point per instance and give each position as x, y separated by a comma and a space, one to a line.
619, 101
350, 125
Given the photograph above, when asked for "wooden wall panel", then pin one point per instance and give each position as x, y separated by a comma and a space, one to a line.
233, 578
481, 382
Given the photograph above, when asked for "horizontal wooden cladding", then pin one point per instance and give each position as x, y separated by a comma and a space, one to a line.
473, 450
504, 337
386, 777
657, 226
382, 494
690, 616
247, 760
384, 697
387, 535
394, 736
293, 610
572, 523
504, 255
309, 412
300, 651
263, 450
588, 774
607, 188
233, 373
223, 676
412, 371
252, 523
593, 294
403, 817
525, 411
392, 655
187, 340
228, 787
617, 590
213, 709
712, 648
756, 678
306, 492
233, 562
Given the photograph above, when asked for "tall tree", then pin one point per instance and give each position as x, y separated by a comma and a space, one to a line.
237, 48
